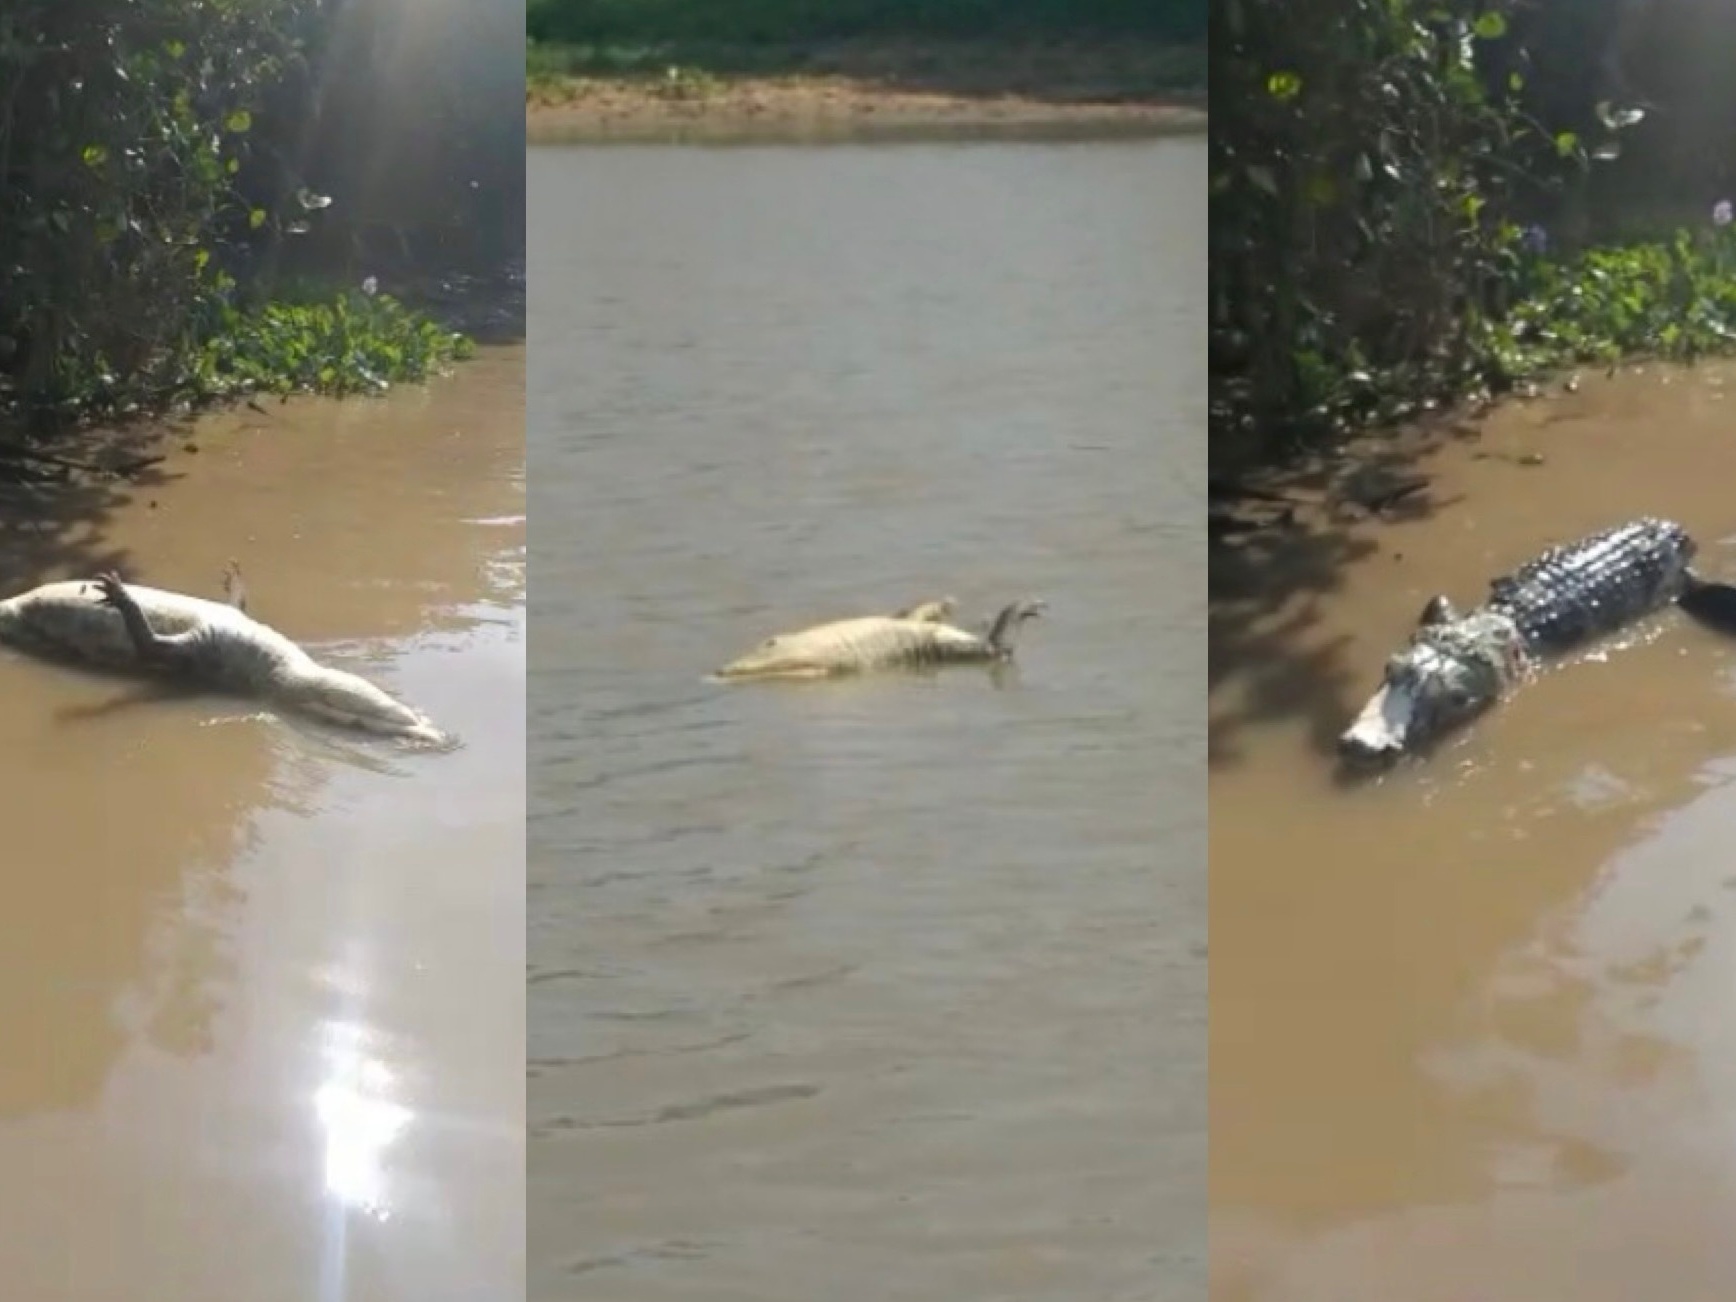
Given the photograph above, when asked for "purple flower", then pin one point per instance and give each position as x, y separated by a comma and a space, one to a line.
1722, 213
1535, 240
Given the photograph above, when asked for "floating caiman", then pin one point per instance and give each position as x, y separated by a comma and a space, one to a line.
916, 637
210, 644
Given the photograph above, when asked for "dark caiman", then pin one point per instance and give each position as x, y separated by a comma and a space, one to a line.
1459, 664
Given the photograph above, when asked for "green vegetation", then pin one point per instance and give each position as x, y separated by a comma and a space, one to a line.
550, 68
1060, 51
630, 24
348, 343
1673, 299
1384, 174
1118, 71
142, 196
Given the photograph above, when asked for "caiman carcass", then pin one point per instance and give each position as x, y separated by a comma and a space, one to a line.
916, 638
208, 644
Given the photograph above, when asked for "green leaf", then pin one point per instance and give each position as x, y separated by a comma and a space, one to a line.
239, 121
94, 155
1565, 143
256, 218
1283, 86
1490, 26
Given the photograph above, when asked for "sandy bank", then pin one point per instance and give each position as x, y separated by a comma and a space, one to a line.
879, 90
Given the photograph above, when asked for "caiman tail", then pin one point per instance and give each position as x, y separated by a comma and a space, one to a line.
1004, 631
1710, 603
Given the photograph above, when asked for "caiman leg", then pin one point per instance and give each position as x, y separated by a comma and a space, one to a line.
937, 611
145, 640
234, 590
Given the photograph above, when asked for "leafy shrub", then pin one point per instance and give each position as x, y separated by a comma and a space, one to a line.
1369, 162
125, 126
1673, 299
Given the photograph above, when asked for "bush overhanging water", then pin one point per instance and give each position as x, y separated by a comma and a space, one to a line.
1377, 172
134, 240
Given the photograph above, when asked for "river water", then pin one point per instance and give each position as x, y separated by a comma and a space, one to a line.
891, 988
263, 1002
1471, 1030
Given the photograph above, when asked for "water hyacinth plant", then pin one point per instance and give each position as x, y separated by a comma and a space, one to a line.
356, 342
1669, 298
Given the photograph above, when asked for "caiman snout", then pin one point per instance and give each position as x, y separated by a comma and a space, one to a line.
1368, 751
1380, 733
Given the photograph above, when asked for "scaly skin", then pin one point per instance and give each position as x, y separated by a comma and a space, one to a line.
1458, 665
1572, 594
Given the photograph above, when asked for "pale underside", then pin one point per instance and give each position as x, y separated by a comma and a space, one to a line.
863, 645
218, 647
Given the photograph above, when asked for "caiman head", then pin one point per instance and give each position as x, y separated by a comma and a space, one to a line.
777, 657
1455, 667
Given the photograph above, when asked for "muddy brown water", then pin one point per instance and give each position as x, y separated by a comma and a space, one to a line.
1471, 1031
263, 997
891, 988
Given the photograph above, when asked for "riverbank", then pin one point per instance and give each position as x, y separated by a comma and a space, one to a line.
877, 88
317, 340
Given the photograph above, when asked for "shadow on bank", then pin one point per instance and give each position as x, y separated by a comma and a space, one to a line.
1279, 545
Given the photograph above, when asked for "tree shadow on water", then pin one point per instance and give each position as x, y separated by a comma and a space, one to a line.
1275, 576
57, 527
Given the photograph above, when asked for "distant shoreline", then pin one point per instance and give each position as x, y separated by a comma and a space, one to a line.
875, 90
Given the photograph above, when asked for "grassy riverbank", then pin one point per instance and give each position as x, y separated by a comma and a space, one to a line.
863, 85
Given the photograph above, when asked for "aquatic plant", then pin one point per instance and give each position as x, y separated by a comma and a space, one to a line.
356, 342
1672, 298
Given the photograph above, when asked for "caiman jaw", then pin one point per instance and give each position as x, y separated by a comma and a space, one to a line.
1449, 673
1380, 732
767, 665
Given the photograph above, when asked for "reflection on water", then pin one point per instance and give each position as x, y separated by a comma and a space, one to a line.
1470, 1023
896, 979
264, 982
360, 1120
